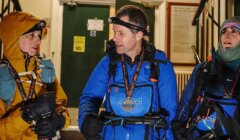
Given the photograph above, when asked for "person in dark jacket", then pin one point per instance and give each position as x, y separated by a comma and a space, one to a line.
134, 82
209, 106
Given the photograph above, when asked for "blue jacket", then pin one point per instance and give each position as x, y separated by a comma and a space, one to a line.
183, 112
214, 91
99, 84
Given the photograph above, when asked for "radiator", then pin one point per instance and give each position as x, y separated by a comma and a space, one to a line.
182, 78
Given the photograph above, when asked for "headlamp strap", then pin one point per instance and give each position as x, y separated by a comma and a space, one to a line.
116, 20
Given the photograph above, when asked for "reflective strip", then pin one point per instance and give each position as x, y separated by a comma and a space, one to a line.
204, 121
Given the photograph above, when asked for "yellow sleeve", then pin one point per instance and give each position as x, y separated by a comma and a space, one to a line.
61, 103
11, 125
2, 108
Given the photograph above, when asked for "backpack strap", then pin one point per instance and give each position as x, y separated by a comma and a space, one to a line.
155, 70
114, 58
199, 107
16, 78
230, 124
150, 51
197, 97
202, 76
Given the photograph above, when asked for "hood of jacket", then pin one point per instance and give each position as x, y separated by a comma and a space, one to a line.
12, 27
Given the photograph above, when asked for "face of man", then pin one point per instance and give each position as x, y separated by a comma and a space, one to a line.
30, 42
126, 41
230, 37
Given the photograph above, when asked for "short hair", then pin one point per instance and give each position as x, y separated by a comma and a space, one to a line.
136, 15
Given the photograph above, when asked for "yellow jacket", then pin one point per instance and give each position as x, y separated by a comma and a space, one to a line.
12, 126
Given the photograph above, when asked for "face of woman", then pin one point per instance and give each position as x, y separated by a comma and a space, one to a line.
230, 37
30, 42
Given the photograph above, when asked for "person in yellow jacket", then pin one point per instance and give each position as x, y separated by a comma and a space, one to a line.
32, 102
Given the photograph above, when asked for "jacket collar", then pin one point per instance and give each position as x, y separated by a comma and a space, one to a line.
148, 48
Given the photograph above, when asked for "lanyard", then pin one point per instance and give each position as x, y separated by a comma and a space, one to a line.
233, 86
19, 83
129, 89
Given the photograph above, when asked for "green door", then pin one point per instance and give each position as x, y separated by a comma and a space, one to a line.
77, 64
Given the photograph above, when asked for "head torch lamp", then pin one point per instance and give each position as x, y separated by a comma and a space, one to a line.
115, 20
38, 26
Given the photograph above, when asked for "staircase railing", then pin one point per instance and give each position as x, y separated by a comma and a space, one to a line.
209, 16
8, 6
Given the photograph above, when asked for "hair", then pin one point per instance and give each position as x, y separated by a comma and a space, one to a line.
136, 15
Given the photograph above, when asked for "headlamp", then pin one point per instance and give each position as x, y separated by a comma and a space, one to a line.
115, 20
38, 26
41, 24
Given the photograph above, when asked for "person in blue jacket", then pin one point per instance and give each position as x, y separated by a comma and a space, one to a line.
135, 84
209, 105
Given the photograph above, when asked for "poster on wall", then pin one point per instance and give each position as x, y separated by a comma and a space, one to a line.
79, 43
181, 33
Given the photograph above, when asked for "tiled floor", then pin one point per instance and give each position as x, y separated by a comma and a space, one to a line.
72, 132
73, 113
71, 135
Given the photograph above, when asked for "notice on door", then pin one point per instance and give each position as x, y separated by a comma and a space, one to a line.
95, 24
79, 44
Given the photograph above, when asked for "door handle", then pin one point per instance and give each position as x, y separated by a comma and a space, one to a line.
105, 45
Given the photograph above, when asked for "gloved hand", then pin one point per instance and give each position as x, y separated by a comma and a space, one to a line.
179, 130
92, 127
38, 108
48, 72
47, 128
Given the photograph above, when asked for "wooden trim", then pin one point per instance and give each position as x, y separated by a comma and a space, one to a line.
91, 2
199, 11
169, 30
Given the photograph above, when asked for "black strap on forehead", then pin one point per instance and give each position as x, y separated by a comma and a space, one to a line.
38, 26
116, 20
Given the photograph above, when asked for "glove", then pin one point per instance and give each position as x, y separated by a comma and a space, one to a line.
92, 127
179, 131
38, 108
48, 72
47, 128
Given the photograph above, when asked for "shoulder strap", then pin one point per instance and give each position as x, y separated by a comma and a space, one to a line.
201, 77
222, 120
154, 71
113, 56
150, 56
16, 77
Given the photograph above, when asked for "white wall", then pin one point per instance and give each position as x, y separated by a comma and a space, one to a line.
42, 10
184, 1
51, 10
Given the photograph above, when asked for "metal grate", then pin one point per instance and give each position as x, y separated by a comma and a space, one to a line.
182, 78
8, 6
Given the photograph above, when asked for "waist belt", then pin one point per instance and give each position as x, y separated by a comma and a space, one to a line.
156, 122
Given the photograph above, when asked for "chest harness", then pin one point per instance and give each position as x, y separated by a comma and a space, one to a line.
155, 120
32, 76
219, 114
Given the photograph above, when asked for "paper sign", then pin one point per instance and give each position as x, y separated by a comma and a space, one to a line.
95, 24
79, 44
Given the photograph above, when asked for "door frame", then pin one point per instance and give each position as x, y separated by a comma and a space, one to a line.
57, 24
